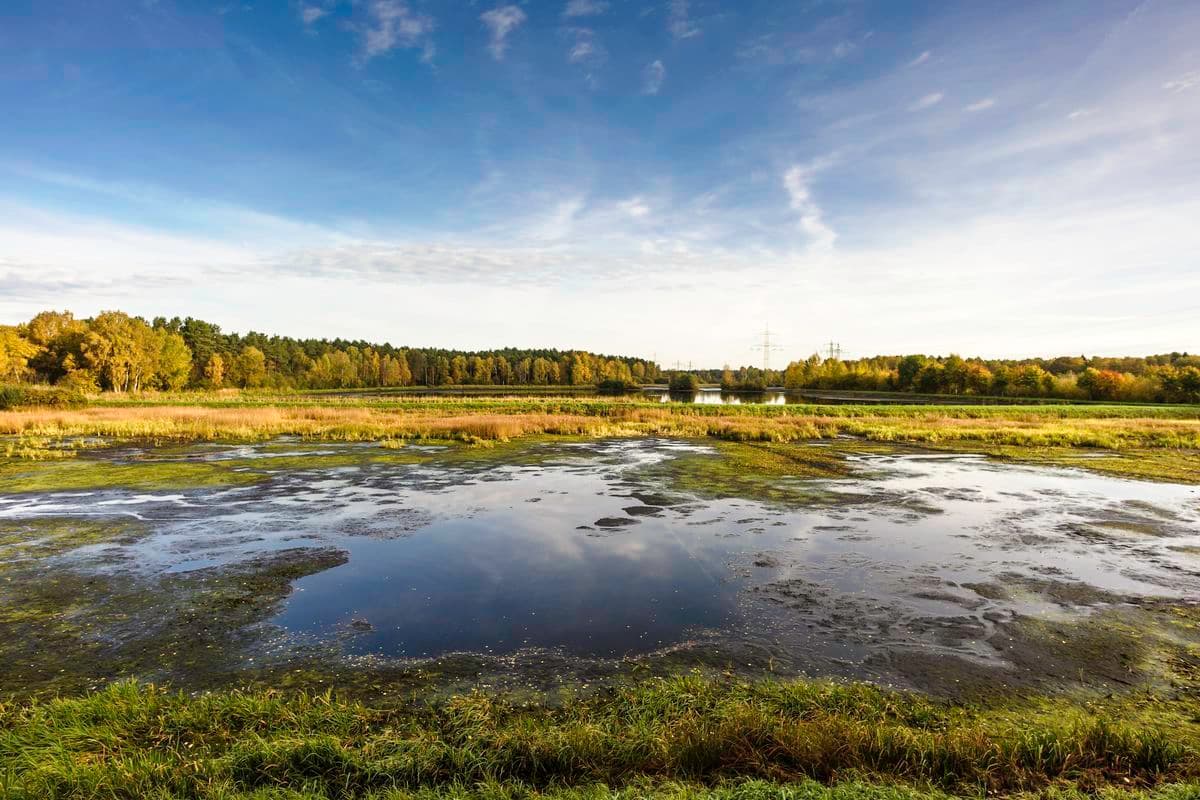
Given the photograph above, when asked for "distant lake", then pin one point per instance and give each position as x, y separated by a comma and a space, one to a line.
718, 397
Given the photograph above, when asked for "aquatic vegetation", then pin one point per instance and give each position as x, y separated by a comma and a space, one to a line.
95, 474
1159, 464
137, 740
37, 449
766, 471
44, 537
69, 628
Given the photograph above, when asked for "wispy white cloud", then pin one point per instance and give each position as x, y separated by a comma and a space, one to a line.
585, 49
798, 182
558, 223
652, 77
898, 284
67, 249
501, 22
929, 219
679, 21
634, 207
585, 8
582, 51
1183, 83
392, 24
927, 101
310, 14
237, 221
775, 49
921, 59
1080, 113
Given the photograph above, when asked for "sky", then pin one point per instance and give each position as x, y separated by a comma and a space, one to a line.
660, 179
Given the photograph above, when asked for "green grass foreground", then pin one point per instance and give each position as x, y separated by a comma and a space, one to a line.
683, 737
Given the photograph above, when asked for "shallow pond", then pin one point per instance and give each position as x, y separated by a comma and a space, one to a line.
588, 550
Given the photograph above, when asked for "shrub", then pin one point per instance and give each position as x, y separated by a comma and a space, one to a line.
684, 382
44, 396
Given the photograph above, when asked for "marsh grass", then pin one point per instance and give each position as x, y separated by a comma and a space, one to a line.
1158, 443
660, 735
37, 448
1111, 427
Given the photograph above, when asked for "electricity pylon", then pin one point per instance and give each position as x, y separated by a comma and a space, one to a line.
767, 348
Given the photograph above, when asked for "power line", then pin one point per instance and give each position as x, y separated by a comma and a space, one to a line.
766, 347
835, 351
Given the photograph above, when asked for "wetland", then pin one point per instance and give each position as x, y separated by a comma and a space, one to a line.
566, 598
553, 562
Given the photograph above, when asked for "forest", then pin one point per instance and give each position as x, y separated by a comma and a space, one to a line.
1168, 378
114, 351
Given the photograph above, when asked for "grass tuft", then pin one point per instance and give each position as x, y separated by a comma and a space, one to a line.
670, 737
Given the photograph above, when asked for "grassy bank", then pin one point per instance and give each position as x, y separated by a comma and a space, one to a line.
679, 737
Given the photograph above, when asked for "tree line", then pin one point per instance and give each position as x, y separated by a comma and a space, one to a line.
1168, 378
114, 351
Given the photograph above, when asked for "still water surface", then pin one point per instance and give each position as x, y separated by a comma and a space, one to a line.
717, 397
588, 549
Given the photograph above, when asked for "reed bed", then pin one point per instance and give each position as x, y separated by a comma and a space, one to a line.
500, 420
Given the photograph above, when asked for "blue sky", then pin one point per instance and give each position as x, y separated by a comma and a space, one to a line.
655, 178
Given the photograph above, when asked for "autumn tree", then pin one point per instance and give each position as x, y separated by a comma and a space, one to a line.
1101, 384
214, 371
58, 336
1029, 380
15, 352
251, 368
503, 371
174, 361
121, 352
541, 371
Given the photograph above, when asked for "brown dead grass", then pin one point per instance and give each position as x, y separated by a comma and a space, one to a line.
450, 422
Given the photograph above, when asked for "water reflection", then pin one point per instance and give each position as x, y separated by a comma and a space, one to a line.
719, 397
583, 550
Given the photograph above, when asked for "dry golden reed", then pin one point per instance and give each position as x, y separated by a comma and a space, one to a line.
498, 421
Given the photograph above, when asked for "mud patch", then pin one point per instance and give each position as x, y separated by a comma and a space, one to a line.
643, 511
1067, 594
1115, 650
68, 630
614, 522
659, 499
399, 524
